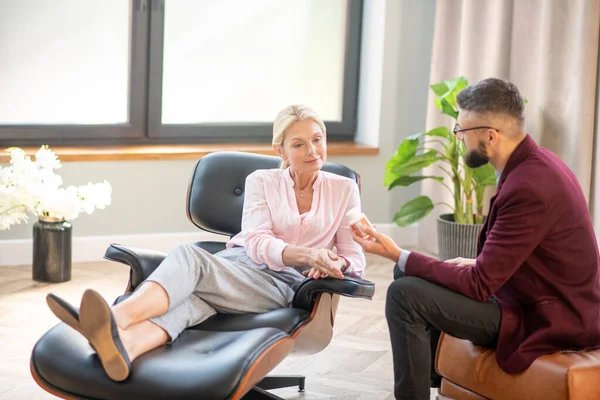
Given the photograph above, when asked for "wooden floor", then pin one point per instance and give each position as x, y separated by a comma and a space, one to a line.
357, 365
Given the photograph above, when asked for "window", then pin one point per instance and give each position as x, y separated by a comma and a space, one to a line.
177, 71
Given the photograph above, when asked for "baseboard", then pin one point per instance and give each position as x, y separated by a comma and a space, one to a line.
92, 248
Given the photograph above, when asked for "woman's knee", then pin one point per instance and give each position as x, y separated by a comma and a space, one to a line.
187, 247
190, 252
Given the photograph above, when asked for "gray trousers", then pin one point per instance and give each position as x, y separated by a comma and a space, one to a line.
200, 284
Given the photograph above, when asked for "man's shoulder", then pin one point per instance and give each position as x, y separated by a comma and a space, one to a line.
537, 168
541, 175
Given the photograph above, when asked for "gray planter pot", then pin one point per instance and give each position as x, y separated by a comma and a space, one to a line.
456, 240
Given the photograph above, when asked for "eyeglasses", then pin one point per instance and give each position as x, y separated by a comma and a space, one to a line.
457, 129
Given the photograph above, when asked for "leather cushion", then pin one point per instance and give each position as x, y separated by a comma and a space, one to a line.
211, 247
451, 391
198, 365
285, 319
550, 377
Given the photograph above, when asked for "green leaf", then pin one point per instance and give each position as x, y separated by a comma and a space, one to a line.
447, 90
455, 85
416, 163
409, 180
441, 131
448, 109
439, 89
413, 211
389, 177
485, 175
406, 151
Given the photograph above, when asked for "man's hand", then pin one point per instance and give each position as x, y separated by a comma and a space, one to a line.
378, 243
324, 263
462, 262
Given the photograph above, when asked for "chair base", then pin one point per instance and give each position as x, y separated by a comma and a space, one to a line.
281, 381
259, 392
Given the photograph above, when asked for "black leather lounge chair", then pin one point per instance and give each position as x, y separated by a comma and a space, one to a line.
225, 357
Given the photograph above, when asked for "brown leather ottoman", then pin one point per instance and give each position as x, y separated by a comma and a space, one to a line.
470, 372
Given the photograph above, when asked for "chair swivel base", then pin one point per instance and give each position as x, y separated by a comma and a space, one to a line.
259, 392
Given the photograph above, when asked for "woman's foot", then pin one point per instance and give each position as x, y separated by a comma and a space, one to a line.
99, 327
64, 311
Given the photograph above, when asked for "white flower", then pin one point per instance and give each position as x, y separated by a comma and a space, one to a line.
95, 196
27, 186
5, 176
20, 163
11, 211
61, 204
46, 159
17, 155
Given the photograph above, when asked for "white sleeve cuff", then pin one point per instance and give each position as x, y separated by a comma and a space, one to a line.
275, 254
402, 259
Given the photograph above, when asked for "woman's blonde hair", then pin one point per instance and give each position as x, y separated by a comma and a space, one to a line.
288, 116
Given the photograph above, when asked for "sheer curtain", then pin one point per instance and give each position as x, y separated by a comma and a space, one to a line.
549, 49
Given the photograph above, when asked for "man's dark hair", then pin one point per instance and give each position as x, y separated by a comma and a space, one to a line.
494, 96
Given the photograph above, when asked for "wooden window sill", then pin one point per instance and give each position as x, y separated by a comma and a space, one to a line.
180, 152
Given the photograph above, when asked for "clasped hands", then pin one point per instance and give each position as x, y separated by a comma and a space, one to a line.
324, 263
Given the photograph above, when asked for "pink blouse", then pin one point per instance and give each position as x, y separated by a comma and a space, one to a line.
271, 220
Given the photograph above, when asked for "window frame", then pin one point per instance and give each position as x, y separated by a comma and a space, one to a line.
145, 97
34, 134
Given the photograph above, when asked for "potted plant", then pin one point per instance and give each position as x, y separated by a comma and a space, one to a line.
28, 186
457, 231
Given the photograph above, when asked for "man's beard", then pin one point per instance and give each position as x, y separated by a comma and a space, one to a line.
477, 157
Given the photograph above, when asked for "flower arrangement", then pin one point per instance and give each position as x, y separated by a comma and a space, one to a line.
34, 187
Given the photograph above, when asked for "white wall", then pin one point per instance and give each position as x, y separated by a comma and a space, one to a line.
149, 196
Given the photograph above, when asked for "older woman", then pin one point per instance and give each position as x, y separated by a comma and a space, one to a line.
293, 216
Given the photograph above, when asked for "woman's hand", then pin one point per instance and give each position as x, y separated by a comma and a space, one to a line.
324, 263
378, 243
462, 262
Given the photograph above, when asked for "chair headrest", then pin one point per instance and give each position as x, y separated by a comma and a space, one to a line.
215, 195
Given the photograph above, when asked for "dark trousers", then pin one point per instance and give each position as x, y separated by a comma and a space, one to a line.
417, 311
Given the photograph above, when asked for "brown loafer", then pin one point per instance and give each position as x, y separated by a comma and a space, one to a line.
64, 311
100, 328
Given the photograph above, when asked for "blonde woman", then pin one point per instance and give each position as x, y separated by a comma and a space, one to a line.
292, 219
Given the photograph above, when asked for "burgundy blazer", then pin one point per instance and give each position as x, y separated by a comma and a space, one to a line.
537, 255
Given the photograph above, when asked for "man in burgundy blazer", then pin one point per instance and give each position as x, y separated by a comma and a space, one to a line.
533, 289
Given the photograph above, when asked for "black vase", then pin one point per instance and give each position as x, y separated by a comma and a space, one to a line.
51, 250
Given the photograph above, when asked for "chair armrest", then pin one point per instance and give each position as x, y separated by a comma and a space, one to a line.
308, 290
142, 262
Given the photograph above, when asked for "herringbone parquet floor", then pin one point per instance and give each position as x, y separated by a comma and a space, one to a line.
357, 365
